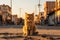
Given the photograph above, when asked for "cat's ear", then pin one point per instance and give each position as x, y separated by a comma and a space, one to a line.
25, 12
33, 13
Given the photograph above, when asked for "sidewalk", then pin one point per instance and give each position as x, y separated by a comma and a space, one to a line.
48, 27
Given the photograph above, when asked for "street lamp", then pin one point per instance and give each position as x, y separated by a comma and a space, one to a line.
11, 5
39, 6
40, 20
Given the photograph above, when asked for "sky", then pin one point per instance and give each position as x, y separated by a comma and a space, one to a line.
19, 7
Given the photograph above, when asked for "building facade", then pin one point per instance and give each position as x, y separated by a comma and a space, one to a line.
48, 6
5, 13
39, 18
58, 10
54, 15
15, 19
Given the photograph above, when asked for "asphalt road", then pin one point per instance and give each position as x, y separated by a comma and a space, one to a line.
53, 31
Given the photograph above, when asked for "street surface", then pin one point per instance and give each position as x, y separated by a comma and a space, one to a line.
48, 31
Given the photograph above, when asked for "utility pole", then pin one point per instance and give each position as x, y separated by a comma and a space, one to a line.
39, 16
11, 8
39, 6
11, 5
35, 9
20, 13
